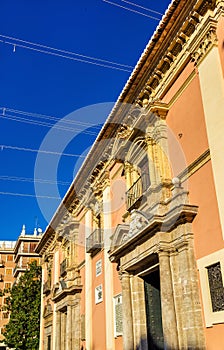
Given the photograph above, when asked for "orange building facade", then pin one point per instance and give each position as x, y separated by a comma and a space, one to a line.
134, 256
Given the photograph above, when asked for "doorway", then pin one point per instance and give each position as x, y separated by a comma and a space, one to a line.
153, 311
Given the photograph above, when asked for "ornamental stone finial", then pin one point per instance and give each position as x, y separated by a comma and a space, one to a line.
176, 182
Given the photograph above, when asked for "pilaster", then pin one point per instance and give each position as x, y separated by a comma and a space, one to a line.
212, 91
58, 331
88, 285
108, 272
128, 336
167, 302
69, 328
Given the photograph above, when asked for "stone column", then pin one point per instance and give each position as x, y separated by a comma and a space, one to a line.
162, 148
76, 325
167, 303
73, 327
56, 266
69, 328
58, 331
128, 336
128, 175
139, 313
186, 291
199, 328
63, 331
151, 160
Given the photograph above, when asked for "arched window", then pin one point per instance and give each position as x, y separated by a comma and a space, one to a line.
137, 174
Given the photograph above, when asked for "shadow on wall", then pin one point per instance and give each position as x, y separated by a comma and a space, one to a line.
143, 345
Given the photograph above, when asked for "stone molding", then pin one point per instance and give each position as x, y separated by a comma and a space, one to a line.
62, 294
208, 39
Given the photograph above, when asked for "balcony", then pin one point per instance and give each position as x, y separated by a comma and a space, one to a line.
94, 242
47, 287
2, 263
18, 269
63, 267
135, 192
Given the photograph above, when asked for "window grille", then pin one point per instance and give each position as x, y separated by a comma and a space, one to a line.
118, 326
98, 294
216, 287
98, 267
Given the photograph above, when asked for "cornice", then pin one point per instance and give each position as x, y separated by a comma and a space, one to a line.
65, 292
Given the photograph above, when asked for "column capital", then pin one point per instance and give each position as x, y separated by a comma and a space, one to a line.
159, 108
123, 274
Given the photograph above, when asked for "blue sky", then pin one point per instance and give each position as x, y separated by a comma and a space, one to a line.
54, 86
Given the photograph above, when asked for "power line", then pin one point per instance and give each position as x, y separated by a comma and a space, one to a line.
126, 8
31, 180
15, 42
142, 7
65, 51
27, 195
59, 127
44, 116
2, 147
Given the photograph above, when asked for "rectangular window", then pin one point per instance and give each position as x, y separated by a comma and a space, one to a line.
211, 274
32, 247
216, 287
5, 315
99, 267
8, 271
7, 285
118, 327
9, 257
98, 294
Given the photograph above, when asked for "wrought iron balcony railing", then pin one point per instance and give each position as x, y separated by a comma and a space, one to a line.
135, 192
63, 267
94, 241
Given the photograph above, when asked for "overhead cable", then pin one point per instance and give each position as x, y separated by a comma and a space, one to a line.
142, 7
16, 42
131, 10
2, 147
28, 195
56, 126
44, 116
32, 180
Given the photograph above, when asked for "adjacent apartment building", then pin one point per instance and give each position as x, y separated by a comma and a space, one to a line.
15, 257
7, 265
134, 256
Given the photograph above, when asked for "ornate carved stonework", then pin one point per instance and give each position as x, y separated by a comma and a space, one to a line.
137, 223
209, 40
